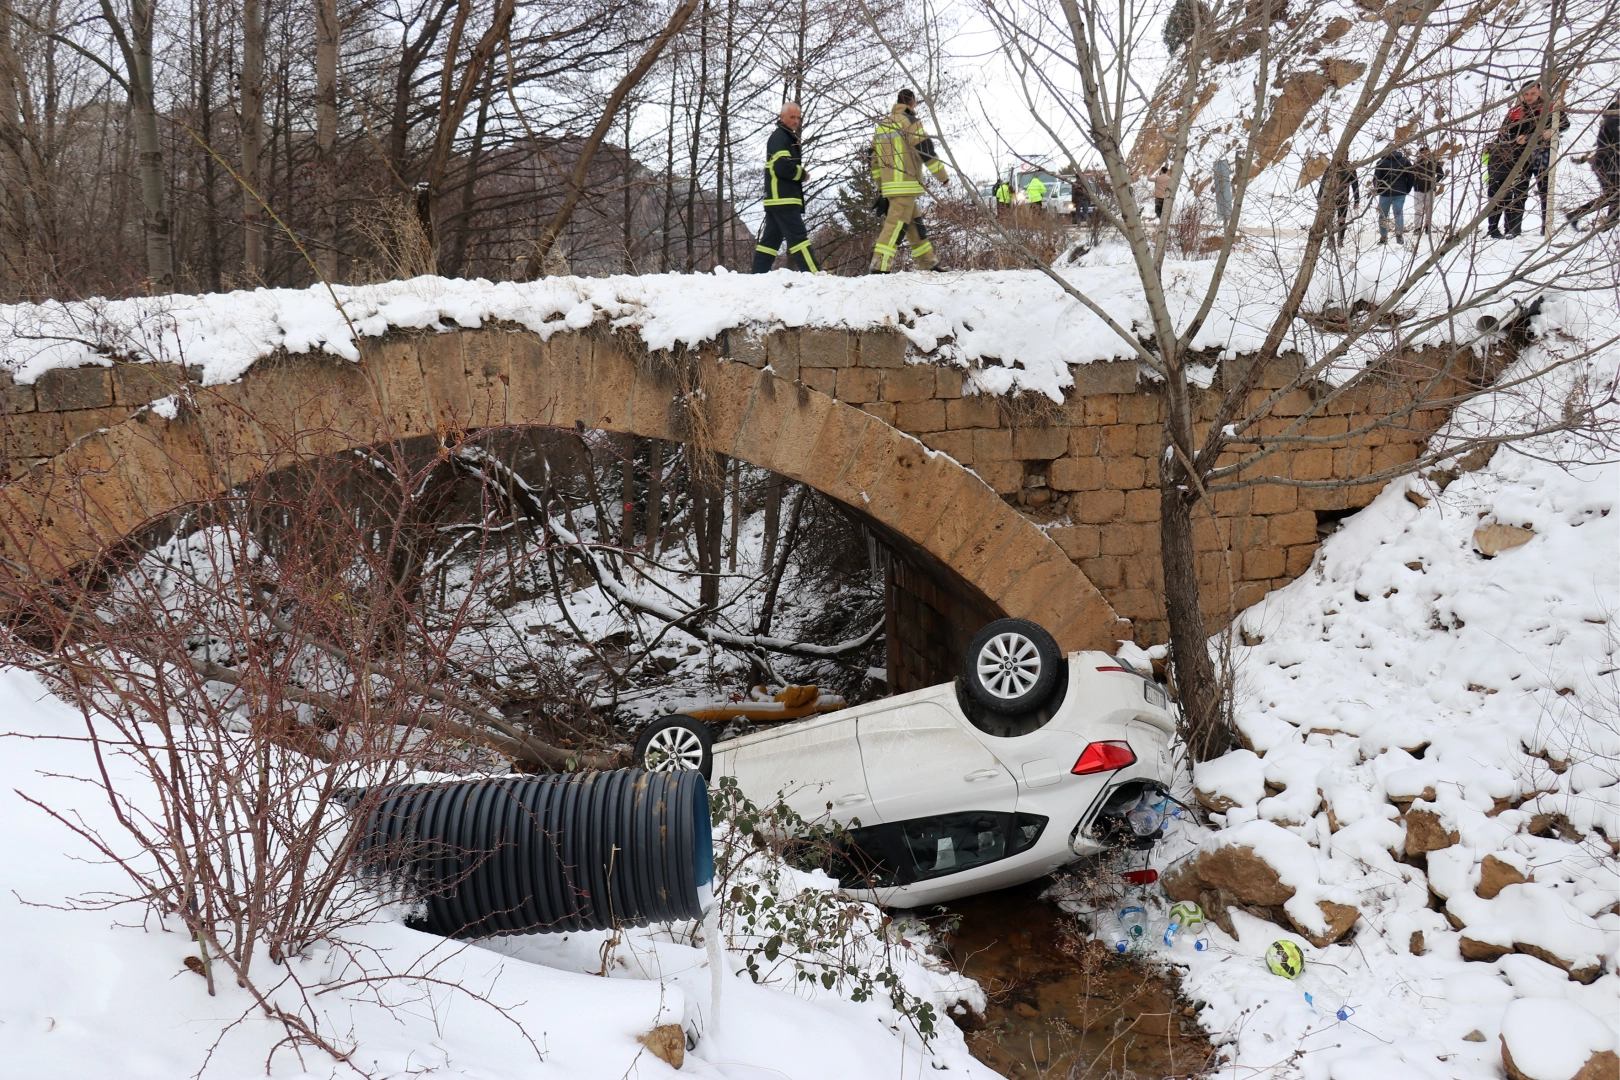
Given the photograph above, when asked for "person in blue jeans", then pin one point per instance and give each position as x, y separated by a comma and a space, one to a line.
1392, 180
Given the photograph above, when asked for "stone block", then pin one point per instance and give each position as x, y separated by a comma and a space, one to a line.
918, 417
1324, 498
838, 437
1004, 477
828, 348
882, 349
799, 442
1142, 568
1296, 528
1105, 571
947, 382
1084, 441
1076, 474
1100, 410
1078, 541
1264, 563
1122, 538
1142, 505
1040, 443
858, 384
958, 444
1097, 507
914, 382
883, 410
782, 354
1293, 403
63, 389
1051, 574
1125, 473
1140, 408
1115, 377
1149, 441
1314, 464
821, 380
1205, 536
745, 347
1139, 604
81, 422
1273, 499
1119, 441
771, 405
1234, 502
1281, 372
16, 399
992, 444
1249, 594
1299, 559
138, 384
974, 411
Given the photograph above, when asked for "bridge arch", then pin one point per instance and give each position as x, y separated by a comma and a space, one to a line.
291, 407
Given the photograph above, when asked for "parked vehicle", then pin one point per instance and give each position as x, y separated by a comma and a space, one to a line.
1026, 763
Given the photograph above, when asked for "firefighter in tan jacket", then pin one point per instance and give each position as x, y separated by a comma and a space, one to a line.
900, 152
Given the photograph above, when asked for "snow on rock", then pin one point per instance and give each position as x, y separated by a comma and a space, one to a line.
1238, 779
1552, 1039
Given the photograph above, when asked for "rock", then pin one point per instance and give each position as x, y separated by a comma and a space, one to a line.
1414, 945
1236, 876
1473, 949
1425, 831
1556, 1039
1496, 875
1474, 1036
1581, 975
1241, 872
1493, 539
1215, 804
667, 1043
1026, 1010
1416, 500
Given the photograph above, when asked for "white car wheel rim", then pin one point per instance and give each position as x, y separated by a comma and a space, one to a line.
674, 749
1009, 666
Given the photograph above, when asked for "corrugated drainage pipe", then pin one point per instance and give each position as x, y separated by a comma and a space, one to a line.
540, 854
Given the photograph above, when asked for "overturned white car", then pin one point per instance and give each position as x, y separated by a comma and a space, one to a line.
1024, 764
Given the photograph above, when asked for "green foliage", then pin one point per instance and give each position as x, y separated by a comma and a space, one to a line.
783, 929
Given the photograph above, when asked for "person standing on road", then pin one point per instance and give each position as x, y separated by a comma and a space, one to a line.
1605, 161
1222, 173
1161, 190
1392, 180
1035, 191
784, 197
1340, 185
1513, 142
901, 150
1427, 172
1003, 198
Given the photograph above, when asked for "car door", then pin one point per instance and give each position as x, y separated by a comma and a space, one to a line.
811, 765
921, 760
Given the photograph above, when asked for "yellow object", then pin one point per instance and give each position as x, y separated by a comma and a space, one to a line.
899, 155
789, 703
1035, 191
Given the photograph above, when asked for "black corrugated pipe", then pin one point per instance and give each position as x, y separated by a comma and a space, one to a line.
536, 854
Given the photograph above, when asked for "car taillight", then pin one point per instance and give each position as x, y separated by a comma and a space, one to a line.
1118, 669
1104, 757
1141, 877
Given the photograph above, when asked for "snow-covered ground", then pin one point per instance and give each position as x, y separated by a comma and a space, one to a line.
102, 993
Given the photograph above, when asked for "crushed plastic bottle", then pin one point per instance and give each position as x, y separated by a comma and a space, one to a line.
1111, 932
1186, 923
1147, 816
1135, 921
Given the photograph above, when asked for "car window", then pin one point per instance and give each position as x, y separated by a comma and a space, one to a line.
902, 852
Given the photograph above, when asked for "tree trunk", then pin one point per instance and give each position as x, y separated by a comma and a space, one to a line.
736, 512
697, 140
136, 45
773, 522
326, 64
253, 33
1206, 731
655, 498
627, 497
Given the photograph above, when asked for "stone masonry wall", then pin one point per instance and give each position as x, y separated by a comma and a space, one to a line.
1085, 470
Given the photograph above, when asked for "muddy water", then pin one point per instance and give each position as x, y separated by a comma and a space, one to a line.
1064, 1007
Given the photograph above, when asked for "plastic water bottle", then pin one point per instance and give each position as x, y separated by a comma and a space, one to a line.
1186, 921
1135, 921
1111, 932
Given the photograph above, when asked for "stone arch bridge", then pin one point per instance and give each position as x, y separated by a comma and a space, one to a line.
1049, 514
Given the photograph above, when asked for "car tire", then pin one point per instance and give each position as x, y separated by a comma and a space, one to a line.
1012, 667
675, 744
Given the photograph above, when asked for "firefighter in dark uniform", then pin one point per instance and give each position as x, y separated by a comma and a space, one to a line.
784, 198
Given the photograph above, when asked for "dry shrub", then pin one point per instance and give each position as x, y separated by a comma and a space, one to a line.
400, 246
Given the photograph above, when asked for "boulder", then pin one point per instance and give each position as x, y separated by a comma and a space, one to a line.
1496, 875
1236, 876
667, 1043
1492, 539
1556, 1039
1425, 831
1474, 949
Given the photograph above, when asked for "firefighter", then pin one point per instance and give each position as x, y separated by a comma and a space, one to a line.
1003, 198
900, 152
1035, 191
784, 197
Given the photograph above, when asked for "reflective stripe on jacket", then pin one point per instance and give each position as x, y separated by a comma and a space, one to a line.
900, 150
784, 172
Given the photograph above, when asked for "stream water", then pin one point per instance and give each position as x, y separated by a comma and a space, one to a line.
1062, 1006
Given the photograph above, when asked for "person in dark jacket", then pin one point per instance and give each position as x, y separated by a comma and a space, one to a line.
784, 197
1392, 181
1427, 172
1526, 134
1340, 186
1605, 161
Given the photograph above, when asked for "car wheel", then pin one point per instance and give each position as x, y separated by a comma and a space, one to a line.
675, 744
1012, 666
